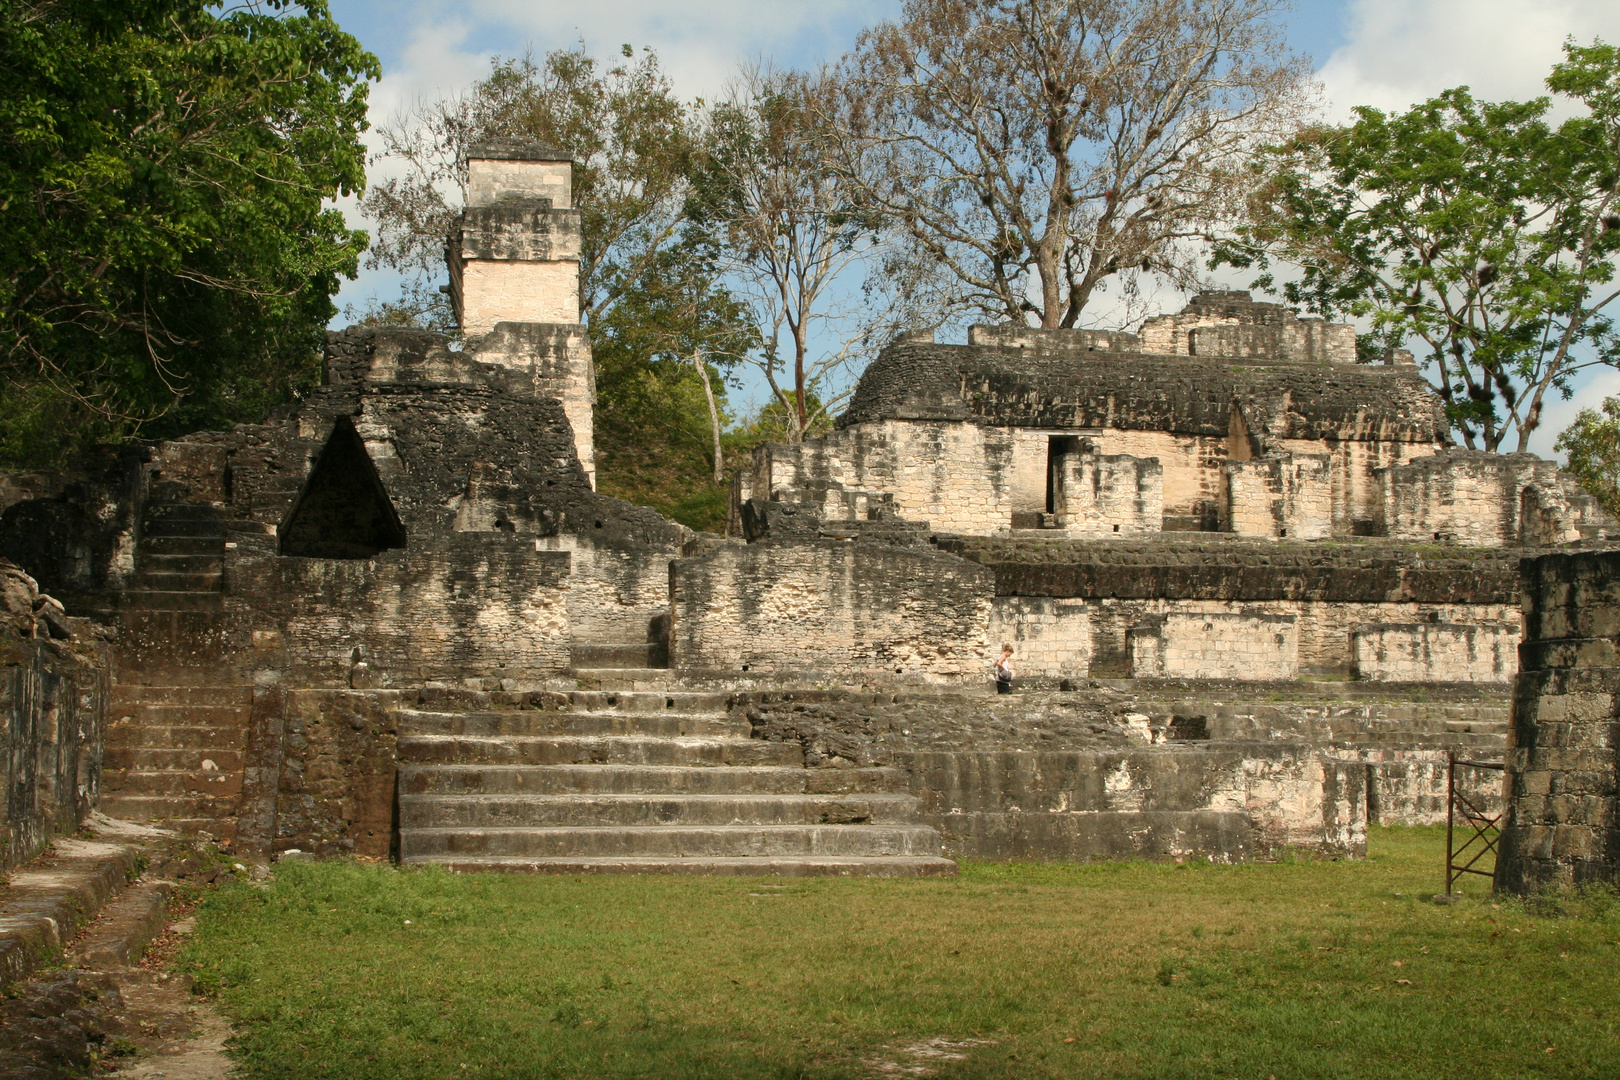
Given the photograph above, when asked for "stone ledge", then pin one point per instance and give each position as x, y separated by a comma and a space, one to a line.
44, 906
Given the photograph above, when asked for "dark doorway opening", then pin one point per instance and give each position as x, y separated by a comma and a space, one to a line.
344, 511
1058, 447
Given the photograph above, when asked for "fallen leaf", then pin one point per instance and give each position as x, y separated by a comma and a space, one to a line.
1069, 1039
1396, 963
1403, 982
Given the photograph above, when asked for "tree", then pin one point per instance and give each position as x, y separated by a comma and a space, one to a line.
1035, 150
807, 261
1478, 232
169, 261
1592, 444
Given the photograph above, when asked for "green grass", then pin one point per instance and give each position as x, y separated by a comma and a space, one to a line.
1108, 970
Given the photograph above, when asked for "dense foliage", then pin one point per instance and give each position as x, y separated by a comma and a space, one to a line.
1479, 234
169, 262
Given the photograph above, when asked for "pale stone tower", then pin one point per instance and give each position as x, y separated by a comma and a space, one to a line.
514, 275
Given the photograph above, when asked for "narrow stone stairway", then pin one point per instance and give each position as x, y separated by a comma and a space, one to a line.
174, 754
179, 565
641, 782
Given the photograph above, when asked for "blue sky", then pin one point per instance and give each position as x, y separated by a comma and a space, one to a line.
1388, 53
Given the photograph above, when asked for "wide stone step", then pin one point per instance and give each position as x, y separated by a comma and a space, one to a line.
641, 780
138, 694
171, 782
457, 699
151, 600
814, 866
528, 811
1422, 740
543, 722
152, 580
641, 701
173, 525
154, 714
162, 807
674, 841
587, 749
1439, 728
222, 829
174, 736
147, 562
644, 655
642, 679
183, 545
181, 511
147, 759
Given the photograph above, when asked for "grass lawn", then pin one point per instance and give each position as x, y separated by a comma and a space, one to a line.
1029, 970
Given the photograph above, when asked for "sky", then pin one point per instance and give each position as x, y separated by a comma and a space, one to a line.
1386, 53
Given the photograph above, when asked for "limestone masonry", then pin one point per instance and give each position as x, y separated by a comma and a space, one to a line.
1255, 598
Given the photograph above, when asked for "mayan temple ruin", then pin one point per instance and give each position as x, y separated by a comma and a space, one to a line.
1255, 596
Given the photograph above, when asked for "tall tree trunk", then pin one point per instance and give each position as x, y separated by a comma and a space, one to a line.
714, 414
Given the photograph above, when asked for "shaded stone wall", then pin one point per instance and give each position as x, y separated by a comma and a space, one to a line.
1051, 639
1281, 496
1245, 646
1435, 652
1108, 494
55, 685
75, 533
1562, 825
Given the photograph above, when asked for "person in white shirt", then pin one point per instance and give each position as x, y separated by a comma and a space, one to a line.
1004, 671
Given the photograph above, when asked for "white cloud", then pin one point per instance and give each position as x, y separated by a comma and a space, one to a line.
1399, 52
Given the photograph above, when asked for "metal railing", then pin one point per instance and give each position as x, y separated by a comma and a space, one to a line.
1484, 830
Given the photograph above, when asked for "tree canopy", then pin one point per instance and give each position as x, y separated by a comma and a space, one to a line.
1480, 234
1035, 151
164, 185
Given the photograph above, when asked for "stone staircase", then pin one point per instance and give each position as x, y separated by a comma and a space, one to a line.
174, 756
649, 781
180, 563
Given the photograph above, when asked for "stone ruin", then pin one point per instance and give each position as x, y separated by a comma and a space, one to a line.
1255, 598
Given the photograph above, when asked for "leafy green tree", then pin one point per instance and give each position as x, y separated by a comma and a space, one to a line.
1479, 234
1592, 446
165, 169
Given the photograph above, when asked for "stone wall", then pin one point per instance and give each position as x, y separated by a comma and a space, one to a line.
55, 685
1281, 496
336, 790
1232, 324
76, 532
1051, 639
1476, 499
1108, 494
1429, 652
1562, 825
1246, 646
831, 607
1061, 776
468, 604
